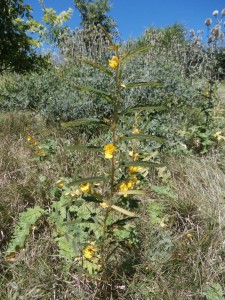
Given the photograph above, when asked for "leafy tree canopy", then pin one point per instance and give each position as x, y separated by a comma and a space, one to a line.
16, 48
94, 12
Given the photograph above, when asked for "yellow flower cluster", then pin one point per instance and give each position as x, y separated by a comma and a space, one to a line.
109, 150
114, 62
133, 169
89, 252
125, 186
31, 140
39, 151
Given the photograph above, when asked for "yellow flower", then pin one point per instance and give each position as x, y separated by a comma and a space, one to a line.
89, 252
43, 153
104, 204
60, 183
125, 186
219, 136
135, 131
85, 187
114, 62
109, 150
33, 142
29, 138
132, 182
133, 169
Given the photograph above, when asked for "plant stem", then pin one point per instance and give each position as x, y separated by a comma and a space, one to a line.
113, 163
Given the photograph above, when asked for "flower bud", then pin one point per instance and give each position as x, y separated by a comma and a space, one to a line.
208, 22
215, 13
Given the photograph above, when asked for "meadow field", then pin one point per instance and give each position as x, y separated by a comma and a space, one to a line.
112, 170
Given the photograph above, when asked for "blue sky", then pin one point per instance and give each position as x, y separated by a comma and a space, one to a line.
134, 16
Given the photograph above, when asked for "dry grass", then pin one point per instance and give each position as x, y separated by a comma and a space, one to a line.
178, 262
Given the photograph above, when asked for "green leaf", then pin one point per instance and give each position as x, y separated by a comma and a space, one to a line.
22, 229
214, 292
106, 34
144, 137
90, 89
144, 84
84, 148
144, 164
128, 55
84, 213
99, 67
147, 108
123, 211
131, 192
163, 190
79, 122
88, 179
156, 212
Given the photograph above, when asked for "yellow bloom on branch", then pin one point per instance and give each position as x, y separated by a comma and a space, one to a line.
85, 187
89, 252
125, 186
114, 62
133, 169
109, 150
104, 204
132, 182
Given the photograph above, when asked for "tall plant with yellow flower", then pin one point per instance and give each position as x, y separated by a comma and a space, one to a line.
93, 222
114, 223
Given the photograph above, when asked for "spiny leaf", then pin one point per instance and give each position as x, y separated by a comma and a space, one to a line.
22, 229
144, 164
131, 192
88, 121
84, 148
88, 179
90, 89
147, 108
144, 137
123, 211
99, 67
143, 84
